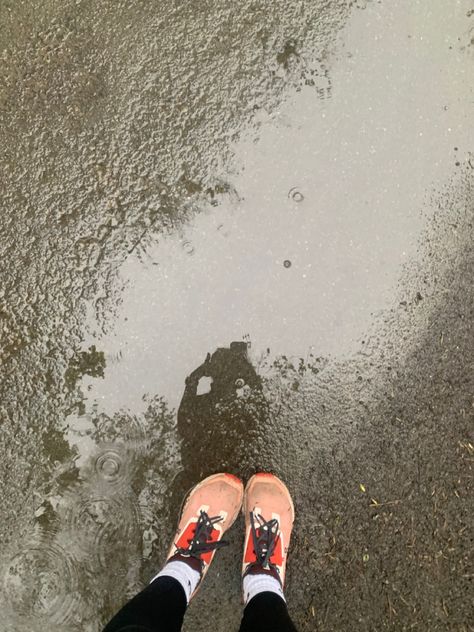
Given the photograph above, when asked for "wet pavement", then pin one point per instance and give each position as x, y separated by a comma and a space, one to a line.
235, 238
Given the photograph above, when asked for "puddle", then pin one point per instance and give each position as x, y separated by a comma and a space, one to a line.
325, 201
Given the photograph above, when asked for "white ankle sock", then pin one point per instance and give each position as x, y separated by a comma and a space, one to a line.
183, 573
255, 584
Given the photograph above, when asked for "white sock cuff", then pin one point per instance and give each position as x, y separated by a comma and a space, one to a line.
255, 584
183, 573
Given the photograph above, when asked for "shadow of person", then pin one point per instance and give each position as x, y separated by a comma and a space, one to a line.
218, 428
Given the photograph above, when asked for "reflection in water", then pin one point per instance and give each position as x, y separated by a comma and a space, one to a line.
217, 427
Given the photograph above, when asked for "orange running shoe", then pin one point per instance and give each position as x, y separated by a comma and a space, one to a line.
209, 509
269, 516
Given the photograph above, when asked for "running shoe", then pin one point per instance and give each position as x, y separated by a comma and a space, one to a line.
208, 511
269, 516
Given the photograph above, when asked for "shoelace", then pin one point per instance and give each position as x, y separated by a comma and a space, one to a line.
265, 541
200, 542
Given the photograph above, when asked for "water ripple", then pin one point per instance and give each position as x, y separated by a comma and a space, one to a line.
42, 581
115, 467
296, 195
105, 526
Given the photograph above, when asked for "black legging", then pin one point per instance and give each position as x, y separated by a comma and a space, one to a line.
160, 607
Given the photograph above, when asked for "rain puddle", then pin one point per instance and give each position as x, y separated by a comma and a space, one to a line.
305, 236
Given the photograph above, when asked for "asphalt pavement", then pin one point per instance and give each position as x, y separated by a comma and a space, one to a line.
286, 186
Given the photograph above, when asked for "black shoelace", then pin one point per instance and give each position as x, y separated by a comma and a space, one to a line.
200, 542
264, 537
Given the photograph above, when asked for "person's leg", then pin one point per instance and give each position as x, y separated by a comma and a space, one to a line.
208, 511
266, 612
160, 607
269, 517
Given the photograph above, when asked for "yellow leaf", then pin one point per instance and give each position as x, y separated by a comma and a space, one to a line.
362, 487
